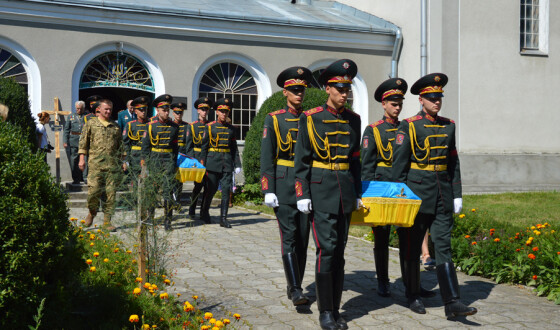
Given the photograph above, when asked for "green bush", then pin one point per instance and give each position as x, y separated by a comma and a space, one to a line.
251, 153
15, 97
38, 255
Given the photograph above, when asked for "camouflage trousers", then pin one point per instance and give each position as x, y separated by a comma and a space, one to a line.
103, 181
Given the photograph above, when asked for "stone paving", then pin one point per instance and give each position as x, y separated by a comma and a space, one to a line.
239, 270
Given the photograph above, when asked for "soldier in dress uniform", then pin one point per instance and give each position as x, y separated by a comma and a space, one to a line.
220, 156
277, 178
101, 141
126, 115
159, 153
134, 132
194, 133
178, 111
71, 140
426, 159
327, 170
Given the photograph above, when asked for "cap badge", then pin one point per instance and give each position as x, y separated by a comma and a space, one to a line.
206, 100
399, 82
167, 97
437, 78
300, 71
227, 101
345, 65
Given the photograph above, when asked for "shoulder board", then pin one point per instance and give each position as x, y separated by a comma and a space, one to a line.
447, 119
194, 122
353, 113
122, 110
133, 121
313, 111
377, 123
415, 118
277, 112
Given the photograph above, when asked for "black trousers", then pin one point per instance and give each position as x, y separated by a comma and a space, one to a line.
294, 229
225, 179
330, 232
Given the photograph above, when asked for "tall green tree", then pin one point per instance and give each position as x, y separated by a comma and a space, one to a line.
15, 97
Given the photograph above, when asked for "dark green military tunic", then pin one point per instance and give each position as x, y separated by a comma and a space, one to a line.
426, 160
159, 150
277, 176
220, 156
327, 170
72, 132
132, 139
182, 136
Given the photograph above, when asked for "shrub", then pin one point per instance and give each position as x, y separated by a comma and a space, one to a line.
38, 254
15, 97
251, 153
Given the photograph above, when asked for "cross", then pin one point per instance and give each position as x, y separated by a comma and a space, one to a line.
57, 128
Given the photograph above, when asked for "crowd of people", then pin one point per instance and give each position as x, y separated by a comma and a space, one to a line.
312, 166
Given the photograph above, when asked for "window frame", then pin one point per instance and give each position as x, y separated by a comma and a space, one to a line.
543, 30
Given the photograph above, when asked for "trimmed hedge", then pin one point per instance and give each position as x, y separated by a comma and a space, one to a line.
38, 254
15, 98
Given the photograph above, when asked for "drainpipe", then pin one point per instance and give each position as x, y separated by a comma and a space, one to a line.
423, 39
396, 53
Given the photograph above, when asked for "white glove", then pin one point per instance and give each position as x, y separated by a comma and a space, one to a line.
457, 205
304, 206
359, 204
237, 170
270, 200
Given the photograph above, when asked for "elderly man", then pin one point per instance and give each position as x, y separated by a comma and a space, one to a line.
126, 115
101, 141
71, 139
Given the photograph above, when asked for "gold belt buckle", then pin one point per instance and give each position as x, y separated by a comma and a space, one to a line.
337, 166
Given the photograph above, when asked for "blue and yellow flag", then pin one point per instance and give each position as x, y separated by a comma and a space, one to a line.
189, 169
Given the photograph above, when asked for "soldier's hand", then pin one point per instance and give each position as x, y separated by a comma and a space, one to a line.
270, 200
237, 170
65, 145
304, 206
125, 166
82, 165
457, 205
359, 204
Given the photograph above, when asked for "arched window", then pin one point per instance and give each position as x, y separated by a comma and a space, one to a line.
235, 82
11, 67
315, 83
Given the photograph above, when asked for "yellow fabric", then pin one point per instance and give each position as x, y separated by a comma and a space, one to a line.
284, 162
331, 166
381, 211
161, 150
180, 144
414, 142
287, 145
427, 167
385, 164
103, 121
197, 149
136, 148
381, 150
219, 149
190, 174
196, 139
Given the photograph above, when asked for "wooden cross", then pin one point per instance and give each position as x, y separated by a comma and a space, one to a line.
57, 128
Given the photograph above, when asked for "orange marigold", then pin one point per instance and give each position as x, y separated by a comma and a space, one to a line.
535, 277
532, 256
237, 316
473, 243
496, 239
536, 248
467, 236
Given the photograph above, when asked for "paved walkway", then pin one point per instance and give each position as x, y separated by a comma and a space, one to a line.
239, 270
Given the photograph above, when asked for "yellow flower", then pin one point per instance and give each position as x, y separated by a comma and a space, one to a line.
167, 281
532, 227
461, 216
552, 231
237, 316
154, 287
205, 327
82, 221
106, 260
212, 321
215, 328
138, 280
227, 321
134, 318
219, 324
147, 285
537, 232
195, 297
73, 219
133, 261
89, 261
473, 210
208, 315
496, 239
163, 276
91, 244
178, 294
145, 326
92, 237
111, 273
92, 269
99, 230
137, 291
128, 251
116, 250
187, 307
163, 295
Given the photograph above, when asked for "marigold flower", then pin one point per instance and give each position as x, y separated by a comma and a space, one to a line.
92, 237
215, 328
187, 307
473, 243
82, 221
111, 273
467, 236
473, 210
73, 219
496, 240
91, 244
178, 294
461, 216
138, 280
532, 227
163, 295
537, 232
89, 261
154, 326
558, 253
237, 316
531, 256
137, 291
92, 269
212, 321
208, 315
134, 318
154, 287
517, 250
227, 321
145, 327
205, 327
163, 276
195, 297
552, 231
535, 277
219, 324
536, 248
133, 261
167, 281
147, 285
116, 250
128, 251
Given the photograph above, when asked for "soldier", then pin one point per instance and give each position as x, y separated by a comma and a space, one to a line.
133, 133
277, 178
220, 156
195, 131
126, 115
178, 110
327, 170
92, 102
159, 152
72, 131
101, 141
426, 160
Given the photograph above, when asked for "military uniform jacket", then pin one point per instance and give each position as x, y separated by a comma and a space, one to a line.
425, 158
132, 139
194, 134
102, 144
124, 117
327, 159
73, 129
88, 117
219, 151
160, 141
277, 154
377, 150
182, 136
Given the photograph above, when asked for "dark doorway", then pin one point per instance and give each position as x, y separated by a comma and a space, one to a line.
118, 95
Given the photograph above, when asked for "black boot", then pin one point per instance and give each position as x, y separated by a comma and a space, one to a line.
194, 199
449, 288
295, 292
411, 278
426, 293
381, 257
223, 214
168, 211
205, 210
338, 287
324, 293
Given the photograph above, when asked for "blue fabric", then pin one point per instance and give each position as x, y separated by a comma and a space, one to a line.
184, 161
386, 189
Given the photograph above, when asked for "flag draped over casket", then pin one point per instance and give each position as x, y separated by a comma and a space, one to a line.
189, 169
386, 203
